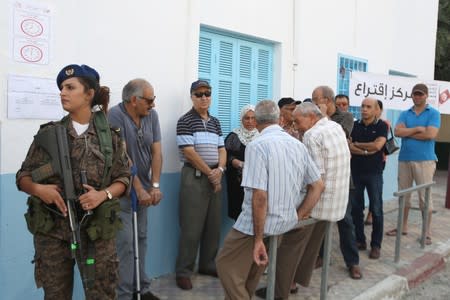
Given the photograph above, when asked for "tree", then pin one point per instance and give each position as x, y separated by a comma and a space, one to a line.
442, 62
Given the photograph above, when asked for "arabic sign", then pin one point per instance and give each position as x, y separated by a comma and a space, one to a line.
395, 91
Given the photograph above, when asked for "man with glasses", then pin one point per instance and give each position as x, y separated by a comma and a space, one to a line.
418, 128
201, 146
139, 128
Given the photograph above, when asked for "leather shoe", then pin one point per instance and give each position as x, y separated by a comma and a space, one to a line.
355, 272
374, 253
262, 292
184, 283
212, 273
361, 246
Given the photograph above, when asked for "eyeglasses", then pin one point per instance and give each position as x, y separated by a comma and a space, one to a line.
418, 93
206, 94
148, 100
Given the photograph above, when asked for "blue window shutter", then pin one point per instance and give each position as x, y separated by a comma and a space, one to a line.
245, 76
225, 83
240, 72
346, 65
204, 57
264, 76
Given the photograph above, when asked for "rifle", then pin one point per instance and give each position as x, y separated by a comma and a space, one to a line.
54, 141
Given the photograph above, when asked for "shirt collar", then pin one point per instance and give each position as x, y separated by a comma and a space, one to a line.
271, 128
427, 107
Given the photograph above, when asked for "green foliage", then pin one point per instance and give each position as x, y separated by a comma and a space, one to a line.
442, 63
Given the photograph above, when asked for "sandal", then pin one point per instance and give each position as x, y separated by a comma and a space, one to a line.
393, 232
428, 240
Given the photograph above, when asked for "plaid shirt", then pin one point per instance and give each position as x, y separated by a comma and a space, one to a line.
327, 145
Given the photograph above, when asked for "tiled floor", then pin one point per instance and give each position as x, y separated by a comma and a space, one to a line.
341, 286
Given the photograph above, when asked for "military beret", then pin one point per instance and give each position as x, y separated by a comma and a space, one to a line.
78, 71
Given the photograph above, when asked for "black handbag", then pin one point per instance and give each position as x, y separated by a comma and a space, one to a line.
391, 145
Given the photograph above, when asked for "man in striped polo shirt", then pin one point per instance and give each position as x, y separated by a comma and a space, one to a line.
277, 167
201, 145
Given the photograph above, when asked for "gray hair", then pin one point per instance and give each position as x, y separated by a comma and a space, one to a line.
267, 112
134, 87
307, 108
327, 92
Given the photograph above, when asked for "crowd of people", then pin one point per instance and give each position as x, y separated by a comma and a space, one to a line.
286, 162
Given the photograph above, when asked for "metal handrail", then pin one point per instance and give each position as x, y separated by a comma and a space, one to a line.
401, 194
273, 242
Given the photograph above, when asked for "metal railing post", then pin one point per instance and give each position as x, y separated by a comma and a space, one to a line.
326, 262
273, 243
401, 213
273, 248
425, 212
425, 216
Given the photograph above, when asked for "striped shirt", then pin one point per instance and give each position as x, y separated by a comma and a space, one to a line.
280, 165
204, 135
327, 144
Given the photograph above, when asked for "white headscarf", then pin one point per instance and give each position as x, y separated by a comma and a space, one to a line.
245, 135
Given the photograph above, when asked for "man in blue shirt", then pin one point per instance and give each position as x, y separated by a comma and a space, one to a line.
418, 128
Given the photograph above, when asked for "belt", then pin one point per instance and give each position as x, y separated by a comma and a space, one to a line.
189, 165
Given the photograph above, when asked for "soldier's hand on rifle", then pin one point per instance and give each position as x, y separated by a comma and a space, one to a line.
92, 198
156, 195
144, 198
51, 194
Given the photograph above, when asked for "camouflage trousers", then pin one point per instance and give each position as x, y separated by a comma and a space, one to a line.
54, 265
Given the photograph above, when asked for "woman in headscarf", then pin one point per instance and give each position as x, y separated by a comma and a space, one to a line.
235, 144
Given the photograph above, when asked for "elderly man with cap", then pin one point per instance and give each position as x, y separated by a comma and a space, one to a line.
53, 215
202, 150
418, 128
287, 106
139, 128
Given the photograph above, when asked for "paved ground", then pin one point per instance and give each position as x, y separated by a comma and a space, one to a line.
382, 279
434, 288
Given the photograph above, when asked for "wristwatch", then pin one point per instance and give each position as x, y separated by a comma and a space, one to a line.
221, 169
155, 185
108, 194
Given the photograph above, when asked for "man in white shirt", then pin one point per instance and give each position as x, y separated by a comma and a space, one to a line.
277, 167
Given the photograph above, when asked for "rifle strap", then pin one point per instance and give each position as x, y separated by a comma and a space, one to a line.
105, 139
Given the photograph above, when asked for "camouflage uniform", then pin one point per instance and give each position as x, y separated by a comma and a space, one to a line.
53, 260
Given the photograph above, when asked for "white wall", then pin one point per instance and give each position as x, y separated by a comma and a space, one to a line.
158, 40
399, 35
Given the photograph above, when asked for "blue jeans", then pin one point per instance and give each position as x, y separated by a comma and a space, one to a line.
347, 240
374, 185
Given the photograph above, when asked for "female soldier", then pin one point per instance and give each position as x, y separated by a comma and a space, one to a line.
95, 152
